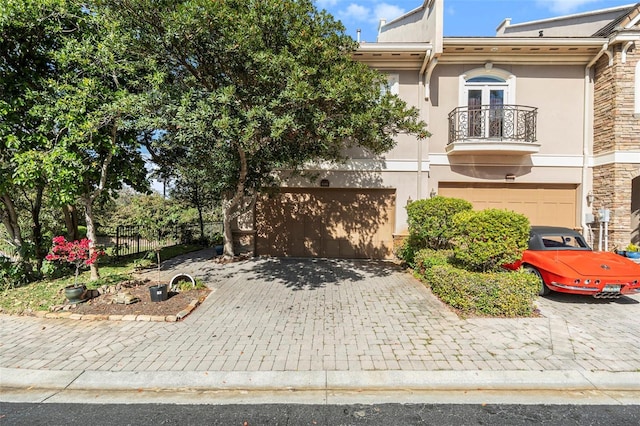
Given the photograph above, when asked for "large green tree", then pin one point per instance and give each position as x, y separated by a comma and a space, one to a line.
30, 32
254, 86
69, 87
93, 95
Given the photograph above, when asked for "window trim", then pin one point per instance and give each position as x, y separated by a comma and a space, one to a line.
487, 71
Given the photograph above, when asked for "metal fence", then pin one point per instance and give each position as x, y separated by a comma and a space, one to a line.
126, 240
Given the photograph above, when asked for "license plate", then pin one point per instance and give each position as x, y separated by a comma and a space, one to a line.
612, 288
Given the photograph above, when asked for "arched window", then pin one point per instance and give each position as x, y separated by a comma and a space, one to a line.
488, 78
486, 93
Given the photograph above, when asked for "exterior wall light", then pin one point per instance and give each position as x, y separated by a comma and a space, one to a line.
590, 198
433, 193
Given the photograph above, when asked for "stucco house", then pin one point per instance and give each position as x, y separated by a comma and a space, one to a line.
543, 118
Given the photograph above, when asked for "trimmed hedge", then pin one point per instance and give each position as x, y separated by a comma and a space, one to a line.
431, 220
426, 259
502, 294
487, 239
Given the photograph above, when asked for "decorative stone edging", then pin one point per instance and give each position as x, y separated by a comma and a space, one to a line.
98, 317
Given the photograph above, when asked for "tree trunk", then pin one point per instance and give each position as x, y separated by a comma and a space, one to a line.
10, 221
228, 205
91, 235
36, 230
226, 229
198, 203
71, 222
90, 197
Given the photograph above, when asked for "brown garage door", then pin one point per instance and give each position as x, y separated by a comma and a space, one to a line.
543, 204
327, 222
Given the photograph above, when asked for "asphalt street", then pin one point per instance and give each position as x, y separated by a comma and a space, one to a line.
317, 415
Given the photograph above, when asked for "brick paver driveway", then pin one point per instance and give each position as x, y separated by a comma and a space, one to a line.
307, 315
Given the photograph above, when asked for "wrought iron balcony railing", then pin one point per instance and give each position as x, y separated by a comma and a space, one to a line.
488, 123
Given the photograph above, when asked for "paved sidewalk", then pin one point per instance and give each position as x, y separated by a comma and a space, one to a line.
328, 326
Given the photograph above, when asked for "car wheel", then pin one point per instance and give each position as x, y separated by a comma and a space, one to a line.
544, 290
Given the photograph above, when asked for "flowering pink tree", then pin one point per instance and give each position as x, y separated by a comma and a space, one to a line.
75, 252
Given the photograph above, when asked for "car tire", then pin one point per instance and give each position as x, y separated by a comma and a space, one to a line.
544, 290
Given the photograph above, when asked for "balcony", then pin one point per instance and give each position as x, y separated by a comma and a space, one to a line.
493, 129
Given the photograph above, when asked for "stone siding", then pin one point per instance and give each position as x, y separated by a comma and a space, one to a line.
615, 130
612, 190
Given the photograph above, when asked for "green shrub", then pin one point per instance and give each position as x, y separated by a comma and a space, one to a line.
13, 274
408, 250
185, 284
430, 220
22, 270
504, 294
487, 239
426, 259
52, 270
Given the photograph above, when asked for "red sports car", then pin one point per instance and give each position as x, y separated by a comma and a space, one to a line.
564, 262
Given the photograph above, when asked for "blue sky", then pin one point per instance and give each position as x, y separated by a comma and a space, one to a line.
461, 17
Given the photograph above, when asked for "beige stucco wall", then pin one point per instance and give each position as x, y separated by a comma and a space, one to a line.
557, 92
472, 170
407, 145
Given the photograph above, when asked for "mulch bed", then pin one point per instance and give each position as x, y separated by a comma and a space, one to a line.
104, 304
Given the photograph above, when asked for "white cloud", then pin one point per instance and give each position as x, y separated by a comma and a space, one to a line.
387, 11
355, 12
361, 13
564, 6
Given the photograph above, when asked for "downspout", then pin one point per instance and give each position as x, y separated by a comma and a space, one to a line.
587, 133
421, 97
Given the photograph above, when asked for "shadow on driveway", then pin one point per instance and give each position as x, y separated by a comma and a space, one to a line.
312, 274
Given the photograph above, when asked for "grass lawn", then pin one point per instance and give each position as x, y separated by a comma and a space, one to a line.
42, 295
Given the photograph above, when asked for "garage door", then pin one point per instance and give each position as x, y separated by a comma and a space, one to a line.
553, 205
327, 222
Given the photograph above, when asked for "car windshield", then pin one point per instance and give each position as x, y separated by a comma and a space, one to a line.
563, 241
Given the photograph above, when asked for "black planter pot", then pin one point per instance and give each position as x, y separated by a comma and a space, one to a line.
75, 293
158, 293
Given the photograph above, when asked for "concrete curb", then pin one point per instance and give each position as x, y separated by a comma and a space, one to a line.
568, 380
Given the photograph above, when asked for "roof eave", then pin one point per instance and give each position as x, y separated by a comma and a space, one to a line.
394, 47
526, 41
